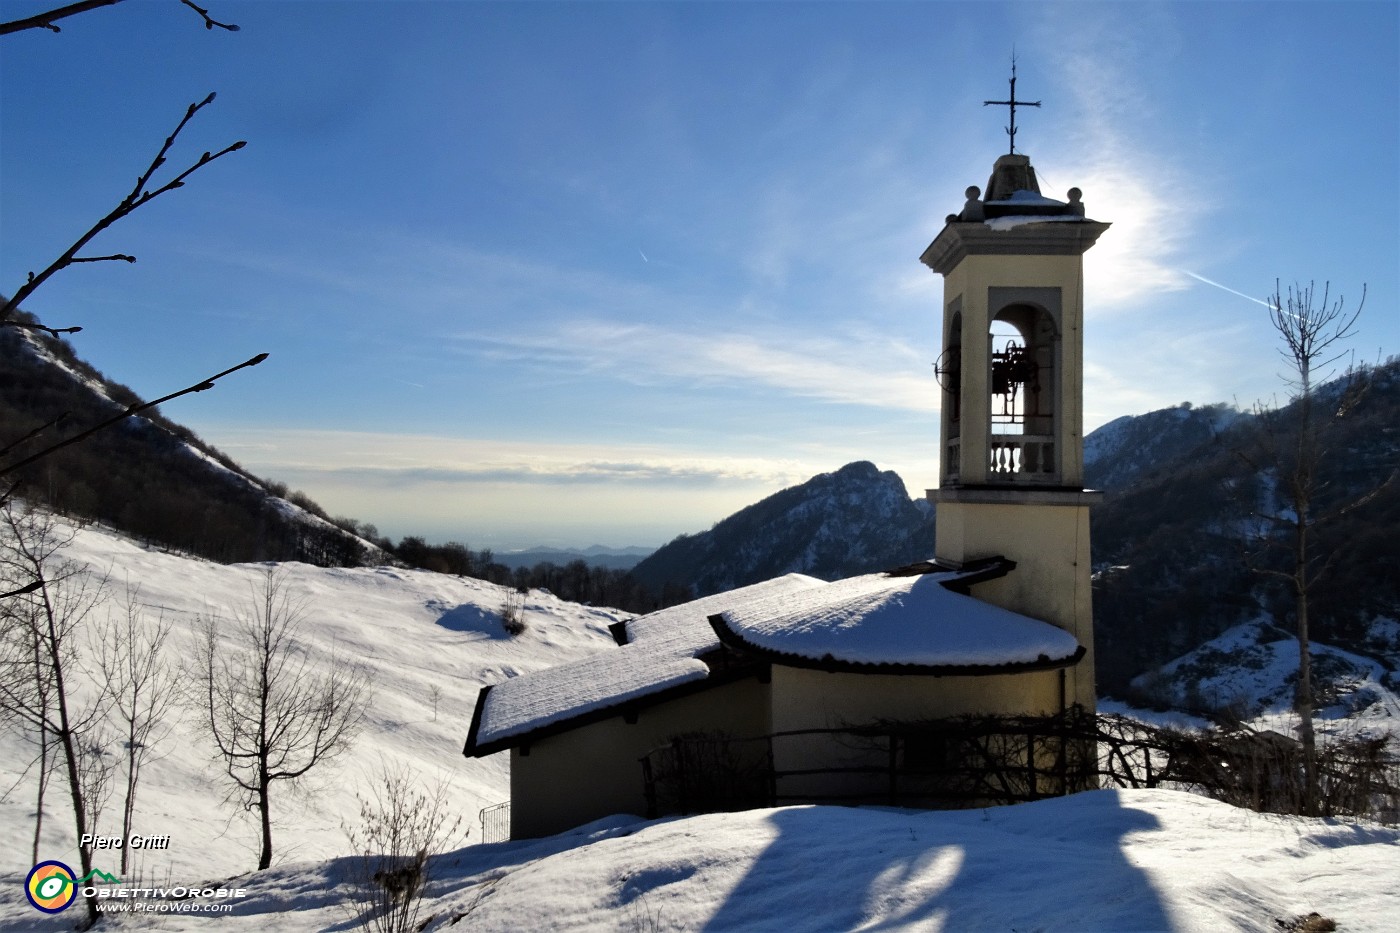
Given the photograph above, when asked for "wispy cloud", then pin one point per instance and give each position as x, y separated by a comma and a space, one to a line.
1126, 179
383, 459
852, 369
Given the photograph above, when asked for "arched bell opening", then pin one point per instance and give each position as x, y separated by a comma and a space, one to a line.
948, 371
1022, 394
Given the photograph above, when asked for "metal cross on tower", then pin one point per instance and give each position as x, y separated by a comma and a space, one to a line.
1011, 130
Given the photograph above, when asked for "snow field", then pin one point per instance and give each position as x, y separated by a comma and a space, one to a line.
1099, 861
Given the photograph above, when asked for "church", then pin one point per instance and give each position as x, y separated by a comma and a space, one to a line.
908, 687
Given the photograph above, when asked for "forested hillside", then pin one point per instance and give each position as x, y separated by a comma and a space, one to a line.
1176, 551
147, 475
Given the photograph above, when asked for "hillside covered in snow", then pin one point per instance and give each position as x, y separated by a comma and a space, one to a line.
429, 642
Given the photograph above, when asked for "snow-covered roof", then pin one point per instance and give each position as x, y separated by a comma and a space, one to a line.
907, 623
1012, 221
903, 621
662, 652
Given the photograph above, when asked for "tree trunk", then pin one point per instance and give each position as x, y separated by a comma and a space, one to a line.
75, 788
132, 765
1304, 697
1304, 480
43, 784
265, 811
66, 738
130, 807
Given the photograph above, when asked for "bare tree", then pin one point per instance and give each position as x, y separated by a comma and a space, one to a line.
434, 697
142, 688
272, 716
1289, 448
39, 660
23, 664
402, 826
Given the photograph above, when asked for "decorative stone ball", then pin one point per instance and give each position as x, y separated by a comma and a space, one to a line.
1076, 206
973, 192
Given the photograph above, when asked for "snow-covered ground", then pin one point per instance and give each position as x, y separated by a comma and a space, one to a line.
1099, 861
1251, 670
413, 630
1105, 860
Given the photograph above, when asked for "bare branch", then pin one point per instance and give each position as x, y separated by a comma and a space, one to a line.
51, 331
209, 22
140, 194
131, 410
45, 20
22, 590
1309, 328
115, 257
39, 662
30, 436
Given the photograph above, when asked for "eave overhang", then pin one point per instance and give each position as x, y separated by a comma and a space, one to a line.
834, 665
726, 667
960, 239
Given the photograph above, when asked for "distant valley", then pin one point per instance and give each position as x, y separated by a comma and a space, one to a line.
597, 555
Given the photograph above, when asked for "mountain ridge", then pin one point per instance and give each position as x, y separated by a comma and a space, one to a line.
856, 519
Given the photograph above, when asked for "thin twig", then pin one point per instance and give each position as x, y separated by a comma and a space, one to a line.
35, 325
209, 22
45, 20
131, 410
139, 195
32, 434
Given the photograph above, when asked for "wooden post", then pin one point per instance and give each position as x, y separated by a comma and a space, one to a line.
894, 770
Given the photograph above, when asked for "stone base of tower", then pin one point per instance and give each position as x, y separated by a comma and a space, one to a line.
1046, 532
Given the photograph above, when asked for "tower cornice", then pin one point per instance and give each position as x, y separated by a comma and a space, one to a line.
960, 239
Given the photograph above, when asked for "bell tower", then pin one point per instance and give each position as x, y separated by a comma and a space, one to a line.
1011, 373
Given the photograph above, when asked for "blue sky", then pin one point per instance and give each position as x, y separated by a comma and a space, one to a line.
609, 271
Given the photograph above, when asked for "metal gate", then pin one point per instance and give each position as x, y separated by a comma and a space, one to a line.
495, 823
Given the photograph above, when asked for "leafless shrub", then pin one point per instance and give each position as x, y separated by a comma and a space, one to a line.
513, 613
1311, 923
643, 918
402, 827
142, 686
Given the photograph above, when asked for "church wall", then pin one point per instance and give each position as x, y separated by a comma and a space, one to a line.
811, 699
595, 771
1050, 545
